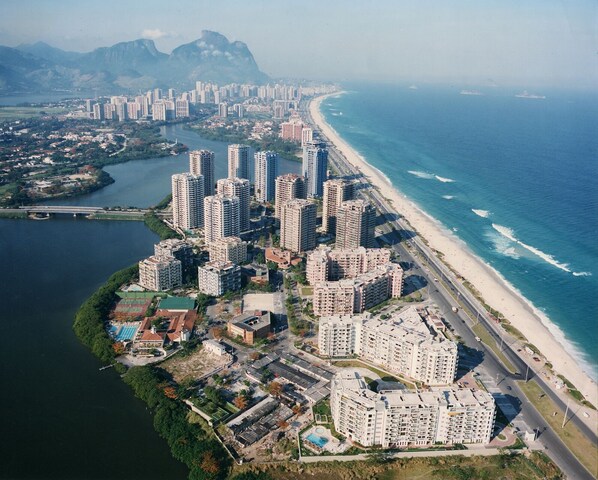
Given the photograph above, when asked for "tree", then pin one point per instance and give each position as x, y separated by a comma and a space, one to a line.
260, 258
276, 240
217, 332
240, 402
214, 395
119, 348
254, 356
209, 463
272, 266
297, 409
170, 392
275, 389
282, 424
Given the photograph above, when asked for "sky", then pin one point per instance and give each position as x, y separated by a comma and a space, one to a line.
469, 42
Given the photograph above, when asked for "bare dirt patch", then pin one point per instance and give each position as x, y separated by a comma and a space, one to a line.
201, 362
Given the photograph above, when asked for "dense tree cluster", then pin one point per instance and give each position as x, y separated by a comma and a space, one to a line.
159, 227
188, 442
90, 320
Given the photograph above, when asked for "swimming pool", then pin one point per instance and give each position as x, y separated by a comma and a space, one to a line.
126, 333
317, 440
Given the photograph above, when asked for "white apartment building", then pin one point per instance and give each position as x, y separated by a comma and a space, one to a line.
360, 293
160, 274
217, 278
228, 249
187, 201
298, 225
240, 188
336, 191
327, 264
173, 247
315, 168
399, 418
404, 344
221, 216
287, 187
266, 171
238, 161
201, 162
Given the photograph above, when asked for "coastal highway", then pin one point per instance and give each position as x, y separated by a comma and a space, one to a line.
443, 293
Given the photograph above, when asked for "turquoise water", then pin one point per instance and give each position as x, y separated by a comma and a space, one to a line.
317, 440
126, 333
514, 178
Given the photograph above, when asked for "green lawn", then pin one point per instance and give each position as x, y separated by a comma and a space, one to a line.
18, 113
577, 442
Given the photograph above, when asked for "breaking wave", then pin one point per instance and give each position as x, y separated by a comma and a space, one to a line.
443, 179
481, 213
508, 233
418, 174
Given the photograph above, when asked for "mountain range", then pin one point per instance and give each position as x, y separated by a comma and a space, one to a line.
126, 66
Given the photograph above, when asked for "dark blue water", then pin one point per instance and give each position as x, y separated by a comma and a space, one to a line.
62, 418
529, 167
142, 183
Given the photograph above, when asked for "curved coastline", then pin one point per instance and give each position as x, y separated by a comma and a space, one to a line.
493, 287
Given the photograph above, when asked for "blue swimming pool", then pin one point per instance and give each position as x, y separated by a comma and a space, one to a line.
126, 333
317, 440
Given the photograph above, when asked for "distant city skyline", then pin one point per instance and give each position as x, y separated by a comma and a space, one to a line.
534, 43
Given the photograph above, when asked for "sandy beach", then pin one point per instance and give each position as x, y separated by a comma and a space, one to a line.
493, 288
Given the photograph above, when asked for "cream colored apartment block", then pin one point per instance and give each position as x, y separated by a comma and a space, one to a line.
400, 418
160, 273
228, 249
325, 264
240, 188
287, 187
221, 217
336, 191
298, 225
403, 343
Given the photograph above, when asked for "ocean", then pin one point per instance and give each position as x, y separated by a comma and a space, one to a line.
514, 178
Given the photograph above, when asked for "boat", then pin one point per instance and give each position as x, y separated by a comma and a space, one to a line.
526, 94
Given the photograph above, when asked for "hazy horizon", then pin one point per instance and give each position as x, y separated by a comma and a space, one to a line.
536, 44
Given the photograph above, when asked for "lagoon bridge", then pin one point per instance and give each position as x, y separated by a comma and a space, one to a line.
40, 211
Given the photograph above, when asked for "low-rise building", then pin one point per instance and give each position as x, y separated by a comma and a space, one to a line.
228, 249
360, 293
405, 343
160, 273
217, 278
255, 273
214, 347
250, 326
283, 258
398, 418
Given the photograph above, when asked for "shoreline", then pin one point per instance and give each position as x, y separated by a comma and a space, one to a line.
495, 289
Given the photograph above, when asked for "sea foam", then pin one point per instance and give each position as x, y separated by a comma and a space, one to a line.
443, 179
481, 213
417, 173
448, 197
507, 232
430, 176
